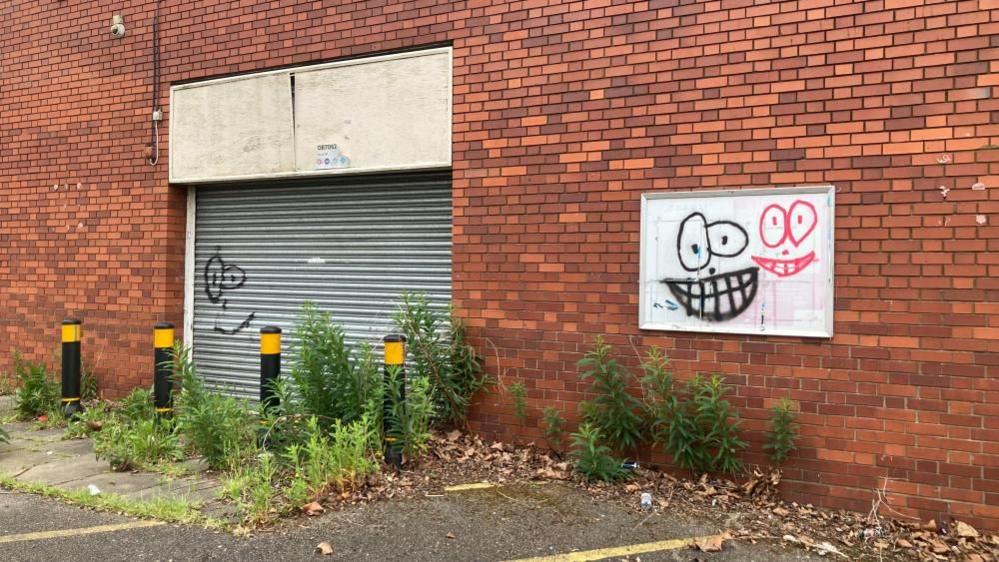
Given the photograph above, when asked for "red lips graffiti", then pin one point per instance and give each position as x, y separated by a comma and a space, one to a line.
778, 226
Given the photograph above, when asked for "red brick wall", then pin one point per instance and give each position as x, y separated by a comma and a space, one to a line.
565, 112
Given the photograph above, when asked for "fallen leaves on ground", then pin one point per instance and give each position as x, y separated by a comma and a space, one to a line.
313, 509
713, 543
751, 510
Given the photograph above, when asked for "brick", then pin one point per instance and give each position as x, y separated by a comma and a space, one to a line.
562, 117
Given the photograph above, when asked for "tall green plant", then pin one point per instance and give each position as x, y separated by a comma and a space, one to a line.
783, 432
212, 424
721, 422
612, 410
593, 459
331, 382
409, 419
657, 388
440, 352
518, 395
554, 432
700, 431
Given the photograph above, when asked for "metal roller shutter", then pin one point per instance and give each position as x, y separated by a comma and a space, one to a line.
351, 246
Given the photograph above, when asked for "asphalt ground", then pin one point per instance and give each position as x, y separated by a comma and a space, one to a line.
501, 523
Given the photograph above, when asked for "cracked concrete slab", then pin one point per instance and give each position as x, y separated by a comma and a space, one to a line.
60, 472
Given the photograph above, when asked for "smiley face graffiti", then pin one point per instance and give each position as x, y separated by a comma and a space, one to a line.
778, 227
722, 295
221, 277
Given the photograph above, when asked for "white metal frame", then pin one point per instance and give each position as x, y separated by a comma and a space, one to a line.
324, 66
645, 324
189, 266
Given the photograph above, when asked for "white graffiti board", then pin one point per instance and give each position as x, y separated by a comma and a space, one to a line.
751, 261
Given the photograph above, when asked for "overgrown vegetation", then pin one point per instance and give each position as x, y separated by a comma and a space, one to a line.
87, 422
410, 418
89, 389
613, 410
518, 395
699, 429
332, 383
326, 433
37, 392
137, 444
554, 425
695, 425
170, 509
439, 348
213, 425
592, 458
783, 432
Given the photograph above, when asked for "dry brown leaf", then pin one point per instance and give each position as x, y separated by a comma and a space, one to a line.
313, 509
449, 535
939, 547
713, 543
964, 530
902, 543
631, 488
781, 512
324, 548
453, 435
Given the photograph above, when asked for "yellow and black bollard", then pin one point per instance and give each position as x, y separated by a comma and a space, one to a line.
270, 365
163, 369
72, 333
395, 383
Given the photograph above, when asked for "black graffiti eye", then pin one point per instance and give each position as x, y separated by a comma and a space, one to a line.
727, 239
692, 245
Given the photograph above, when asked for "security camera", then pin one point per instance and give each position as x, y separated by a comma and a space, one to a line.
117, 26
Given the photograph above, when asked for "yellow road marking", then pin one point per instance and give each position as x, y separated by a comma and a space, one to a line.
617, 551
472, 486
77, 532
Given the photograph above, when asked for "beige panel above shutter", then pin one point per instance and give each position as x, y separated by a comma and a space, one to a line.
382, 114
232, 128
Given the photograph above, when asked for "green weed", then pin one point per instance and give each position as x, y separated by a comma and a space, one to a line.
593, 459
440, 352
331, 382
172, 509
554, 423
518, 394
613, 410
137, 405
702, 431
37, 392
138, 445
211, 424
90, 420
783, 432
409, 419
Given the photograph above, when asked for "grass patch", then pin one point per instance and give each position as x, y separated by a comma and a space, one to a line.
169, 509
